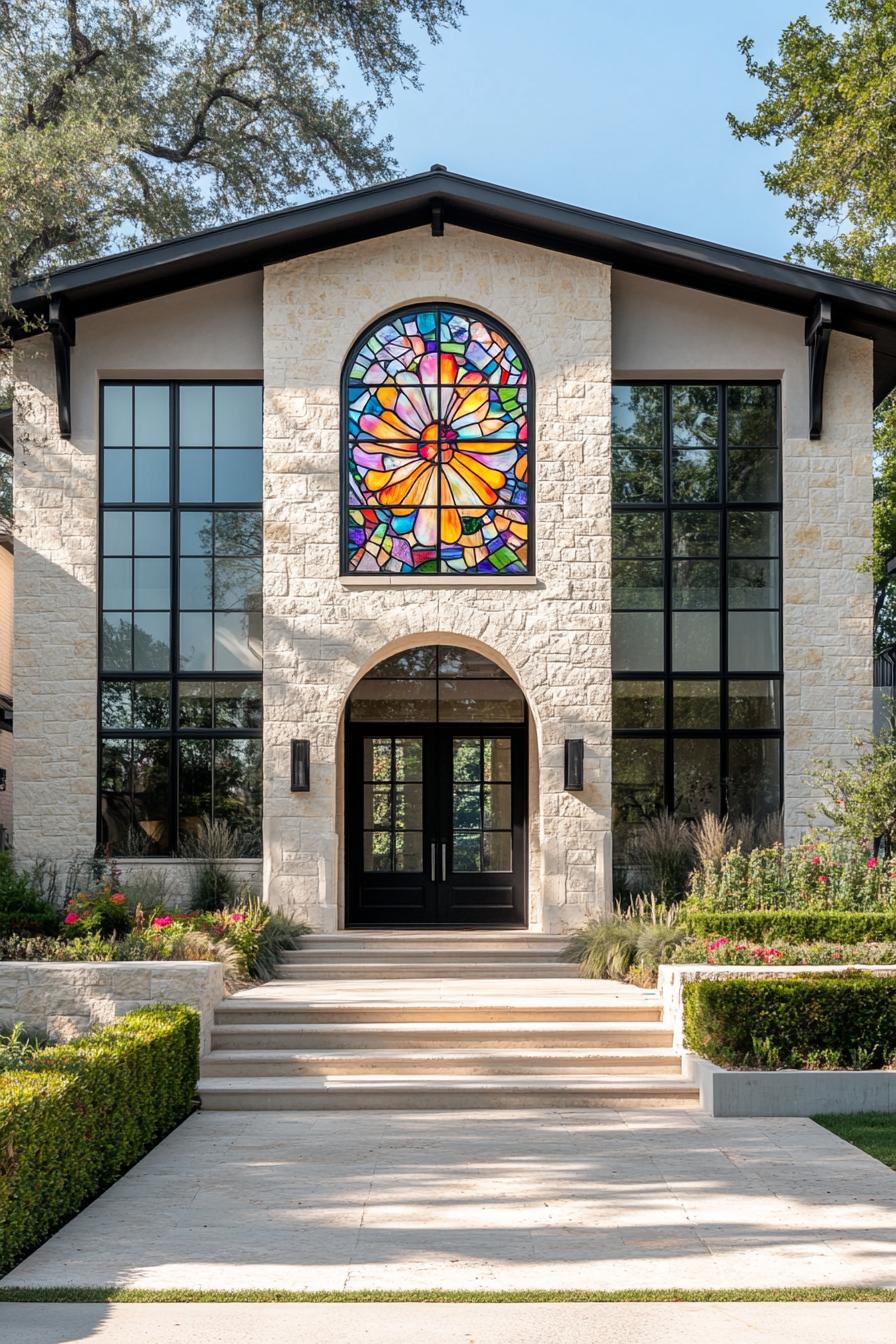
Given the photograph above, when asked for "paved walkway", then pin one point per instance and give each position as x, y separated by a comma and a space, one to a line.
485, 1200
457, 1323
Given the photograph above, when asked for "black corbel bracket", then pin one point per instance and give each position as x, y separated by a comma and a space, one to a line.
62, 329
818, 335
437, 219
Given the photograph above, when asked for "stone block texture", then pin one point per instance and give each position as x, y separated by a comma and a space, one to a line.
828, 606
553, 636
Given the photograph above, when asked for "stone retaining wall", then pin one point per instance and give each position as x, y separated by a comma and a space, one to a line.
66, 999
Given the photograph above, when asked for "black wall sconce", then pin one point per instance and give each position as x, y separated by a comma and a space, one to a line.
300, 765
574, 764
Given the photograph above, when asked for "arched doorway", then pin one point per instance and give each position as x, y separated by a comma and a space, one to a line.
436, 783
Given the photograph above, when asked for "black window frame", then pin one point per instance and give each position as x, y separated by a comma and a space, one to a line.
722, 508
173, 734
475, 314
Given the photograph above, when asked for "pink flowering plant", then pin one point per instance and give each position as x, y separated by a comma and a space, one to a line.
103, 910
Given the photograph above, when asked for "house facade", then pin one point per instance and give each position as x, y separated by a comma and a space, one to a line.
433, 537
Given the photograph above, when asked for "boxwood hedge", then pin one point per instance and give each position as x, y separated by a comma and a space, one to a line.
842, 1019
793, 926
82, 1113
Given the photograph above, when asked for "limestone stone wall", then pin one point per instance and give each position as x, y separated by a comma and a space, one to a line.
828, 610
552, 634
66, 999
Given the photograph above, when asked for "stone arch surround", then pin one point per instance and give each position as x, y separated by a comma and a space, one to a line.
551, 631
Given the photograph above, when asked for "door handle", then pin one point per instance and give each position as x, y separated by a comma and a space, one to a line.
432, 862
444, 861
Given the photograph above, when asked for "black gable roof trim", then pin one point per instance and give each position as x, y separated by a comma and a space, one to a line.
441, 197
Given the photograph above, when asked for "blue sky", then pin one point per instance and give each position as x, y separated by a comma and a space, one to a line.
618, 105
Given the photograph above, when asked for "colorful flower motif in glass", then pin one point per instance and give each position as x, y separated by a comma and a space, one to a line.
438, 442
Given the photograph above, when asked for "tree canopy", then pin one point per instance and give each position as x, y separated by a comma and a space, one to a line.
829, 101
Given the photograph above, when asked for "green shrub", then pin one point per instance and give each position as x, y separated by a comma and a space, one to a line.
819, 874
79, 1115
627, 945
721, 951
794, 926
840, 1020
22, 909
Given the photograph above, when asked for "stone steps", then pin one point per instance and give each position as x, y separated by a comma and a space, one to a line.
382, 1020
439, 1092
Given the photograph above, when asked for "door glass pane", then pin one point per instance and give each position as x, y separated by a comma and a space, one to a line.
496, 807
377, 852
377, 758
467, 811
408, 852
409, 758
377, 805
496, 758
467, 760
408, 807
466, 852
497, 852
696, 777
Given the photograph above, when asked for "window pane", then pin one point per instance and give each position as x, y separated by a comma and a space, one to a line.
238, 533
152, 419
117, 424
695, 475
195, 475
456, 662
410, 665
152, 584
696, 776
151, 468
754, 704
637, 475
237, 704
695, 416
152, 532
638, 704
195, 784
238, 416
196, 641
695, 585
116, 704
695, 533
195, 430
196, 534
695, 641
754, 777
237, 475
237, 790
752, 475
752, 416
753, 641
117, 630
238, 584
152, 707
117, 482
195, 701
638, 584
117, 530
150, 782
695, 704
753, 583
637, 641
637, 779
375, 701
492, 700
196, 584
639, 534
637, 417
752, 533
115, 792
237, 642
117, 577
152, 651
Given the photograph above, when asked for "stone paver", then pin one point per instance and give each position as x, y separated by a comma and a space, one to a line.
484, 1200
454, 1323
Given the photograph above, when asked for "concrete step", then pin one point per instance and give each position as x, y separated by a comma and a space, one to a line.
410, 1035
436, 1092
425, 940
634, 1061
257, 1011
423, 968
447, 956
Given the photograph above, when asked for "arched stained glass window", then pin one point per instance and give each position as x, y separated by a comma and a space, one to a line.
436, 447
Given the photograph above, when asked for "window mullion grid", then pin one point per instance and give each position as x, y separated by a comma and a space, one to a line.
668, 763
723, 600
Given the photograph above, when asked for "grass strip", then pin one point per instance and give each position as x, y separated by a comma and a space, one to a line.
872, 1131
450, 1295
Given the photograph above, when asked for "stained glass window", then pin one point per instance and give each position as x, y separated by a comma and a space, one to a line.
436, 420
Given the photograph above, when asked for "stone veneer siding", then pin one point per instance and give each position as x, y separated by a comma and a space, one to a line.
828, 603
553, 635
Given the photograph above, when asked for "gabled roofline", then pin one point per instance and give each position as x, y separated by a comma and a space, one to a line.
440, 197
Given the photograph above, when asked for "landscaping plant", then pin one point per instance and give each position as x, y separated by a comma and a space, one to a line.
629, 944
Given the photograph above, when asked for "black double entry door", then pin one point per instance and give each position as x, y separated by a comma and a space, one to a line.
435, 825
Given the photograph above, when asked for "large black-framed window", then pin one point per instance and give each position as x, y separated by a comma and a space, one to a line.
180, 655
697, 673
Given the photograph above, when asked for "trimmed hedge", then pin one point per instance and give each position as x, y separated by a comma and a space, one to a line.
793, 926
837, 1020
81, 1114
29, 923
